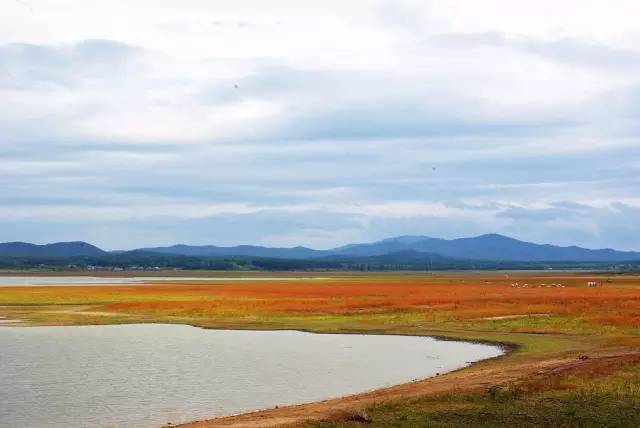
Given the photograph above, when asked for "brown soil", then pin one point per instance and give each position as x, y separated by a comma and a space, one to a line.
511, 317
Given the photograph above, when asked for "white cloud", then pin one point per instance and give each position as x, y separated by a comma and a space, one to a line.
396, 117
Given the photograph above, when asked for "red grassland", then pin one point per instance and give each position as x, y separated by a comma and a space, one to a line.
437, 298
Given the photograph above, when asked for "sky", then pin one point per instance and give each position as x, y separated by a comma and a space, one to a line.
319, 123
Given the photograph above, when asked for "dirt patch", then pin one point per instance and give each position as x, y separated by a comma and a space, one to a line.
89, 313
511, 317
8, 322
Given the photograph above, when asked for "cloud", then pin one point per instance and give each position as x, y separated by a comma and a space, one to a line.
318, 125
538, 214
562, 50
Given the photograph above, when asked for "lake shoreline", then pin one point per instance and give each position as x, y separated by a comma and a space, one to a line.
500, 348
458, 381
329, 408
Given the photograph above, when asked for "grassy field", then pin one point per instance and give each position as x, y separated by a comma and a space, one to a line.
575, 357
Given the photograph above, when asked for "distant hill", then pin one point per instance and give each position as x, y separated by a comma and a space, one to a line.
58, 249
491, 247
398, 255
240, 250
485, 247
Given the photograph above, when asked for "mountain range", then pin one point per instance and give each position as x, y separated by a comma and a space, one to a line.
492, 247
58, 249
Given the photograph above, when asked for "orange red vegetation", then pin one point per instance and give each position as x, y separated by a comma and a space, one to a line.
461, 299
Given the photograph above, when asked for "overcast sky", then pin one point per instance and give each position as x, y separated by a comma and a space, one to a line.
318, 123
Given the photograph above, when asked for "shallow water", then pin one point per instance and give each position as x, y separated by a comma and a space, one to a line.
148, 375
29, 281
34, 281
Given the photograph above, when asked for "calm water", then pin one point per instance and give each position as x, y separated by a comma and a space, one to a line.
148, 375
27, 281
31, 281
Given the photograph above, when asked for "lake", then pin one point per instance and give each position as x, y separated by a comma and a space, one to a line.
146, 375
30, 281
35, 281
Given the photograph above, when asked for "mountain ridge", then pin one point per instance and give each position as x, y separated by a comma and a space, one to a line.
491, 246
56, 249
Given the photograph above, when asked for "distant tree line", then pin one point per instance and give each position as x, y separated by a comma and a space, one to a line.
144, 260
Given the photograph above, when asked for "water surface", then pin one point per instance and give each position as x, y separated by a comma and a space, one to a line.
34, 281
30, 281
148, 375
